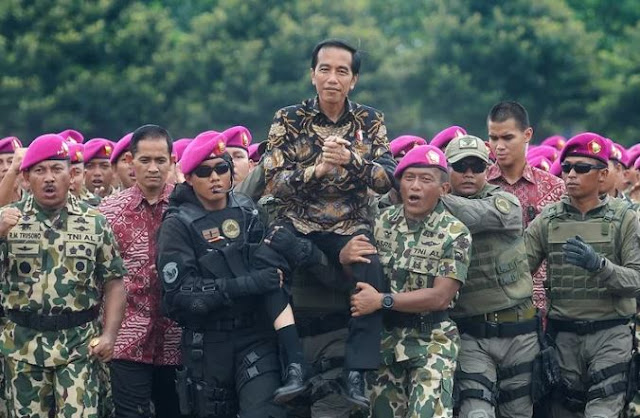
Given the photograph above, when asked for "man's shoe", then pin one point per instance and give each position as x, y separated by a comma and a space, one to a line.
352, 385
294, 384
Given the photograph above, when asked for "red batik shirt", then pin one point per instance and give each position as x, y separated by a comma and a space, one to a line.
146, 336
535, 189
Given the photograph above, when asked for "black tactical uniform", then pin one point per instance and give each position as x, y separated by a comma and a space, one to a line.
229, 346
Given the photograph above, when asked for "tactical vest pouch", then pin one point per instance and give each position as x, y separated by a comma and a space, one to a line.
546, 374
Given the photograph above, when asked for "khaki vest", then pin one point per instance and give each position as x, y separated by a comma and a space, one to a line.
498, 275
575, 293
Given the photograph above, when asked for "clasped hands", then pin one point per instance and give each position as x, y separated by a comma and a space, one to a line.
335, 153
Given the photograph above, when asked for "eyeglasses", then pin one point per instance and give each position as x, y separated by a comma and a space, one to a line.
204, 171
476, 167
581, 168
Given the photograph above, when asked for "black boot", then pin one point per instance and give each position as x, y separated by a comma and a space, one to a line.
294, 384
352, 385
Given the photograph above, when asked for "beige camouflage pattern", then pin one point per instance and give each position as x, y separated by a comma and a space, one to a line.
49, 266
420, 387
416, 379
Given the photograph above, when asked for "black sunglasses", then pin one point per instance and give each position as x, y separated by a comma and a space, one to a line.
476, 167
204, 171
581, 168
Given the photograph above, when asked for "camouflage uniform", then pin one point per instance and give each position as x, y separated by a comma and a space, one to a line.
416, 378
633, 408
53, 267
89, 198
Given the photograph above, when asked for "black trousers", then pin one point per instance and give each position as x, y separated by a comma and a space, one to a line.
243, 363
363, 343
136, 386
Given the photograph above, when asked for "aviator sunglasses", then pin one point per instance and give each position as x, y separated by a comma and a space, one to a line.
204, 171
476, 167
581, 168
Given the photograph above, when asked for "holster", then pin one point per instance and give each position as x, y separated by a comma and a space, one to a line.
545, 375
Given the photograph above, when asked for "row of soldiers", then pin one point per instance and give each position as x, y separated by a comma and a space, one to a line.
338, 275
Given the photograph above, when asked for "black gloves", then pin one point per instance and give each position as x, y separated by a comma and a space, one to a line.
255, 283
581, 254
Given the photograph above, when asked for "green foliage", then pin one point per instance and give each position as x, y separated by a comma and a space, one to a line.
105, 67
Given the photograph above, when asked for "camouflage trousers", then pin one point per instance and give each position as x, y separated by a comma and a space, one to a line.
420, 387
106, 409
632, 410
71, 390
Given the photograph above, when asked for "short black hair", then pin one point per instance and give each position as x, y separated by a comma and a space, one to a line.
150, 132
503, 111
337, 43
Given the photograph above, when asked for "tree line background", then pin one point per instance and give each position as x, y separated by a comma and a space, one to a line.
105, 67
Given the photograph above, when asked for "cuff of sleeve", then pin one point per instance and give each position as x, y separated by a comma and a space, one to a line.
605, 272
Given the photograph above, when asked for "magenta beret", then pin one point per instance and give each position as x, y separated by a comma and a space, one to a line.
546, 151
402, 144
9, 144
589, 145
620, 154
201, 148
76, 152
556, 168
422, 156
540, 161
121, 147
179, 146
45, 147
238, 137
556, 141
72, 135
97, 148
442, 138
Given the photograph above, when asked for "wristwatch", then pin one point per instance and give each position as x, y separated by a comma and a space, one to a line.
387, 301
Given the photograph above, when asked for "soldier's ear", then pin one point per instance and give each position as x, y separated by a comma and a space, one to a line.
128, 157
602, 175
446, 188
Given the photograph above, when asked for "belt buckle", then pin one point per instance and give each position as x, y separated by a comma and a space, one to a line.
423, 324
491, 329
584, 327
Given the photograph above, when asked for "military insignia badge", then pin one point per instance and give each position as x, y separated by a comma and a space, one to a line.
79, 156
64, 150
170, 272
15, 144
212, 235
467, 143
245, 139
220, 148
594, 147
107, 150
433, 157
230, 228
544, 166
502, 204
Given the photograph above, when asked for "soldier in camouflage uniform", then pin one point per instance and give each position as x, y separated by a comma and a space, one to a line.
495, 312
77, 187
424, 251
59, 260
593, 249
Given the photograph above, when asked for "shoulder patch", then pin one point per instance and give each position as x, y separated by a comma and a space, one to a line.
502, 204
170, 272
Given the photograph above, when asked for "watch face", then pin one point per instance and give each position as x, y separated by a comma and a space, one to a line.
387, 301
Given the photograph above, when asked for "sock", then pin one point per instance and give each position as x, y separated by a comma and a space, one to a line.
288, 337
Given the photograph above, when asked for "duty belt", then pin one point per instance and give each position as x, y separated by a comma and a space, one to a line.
309, 326
52, 322
422, 322
585, 327
243, 320
506, 315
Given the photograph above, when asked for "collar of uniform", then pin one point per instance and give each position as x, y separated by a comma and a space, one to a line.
485, 191
429, 223
495, 172
72, 205
604, 202
138, 196
348, 105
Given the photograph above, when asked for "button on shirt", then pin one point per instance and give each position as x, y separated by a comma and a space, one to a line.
145, 336
338, 202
